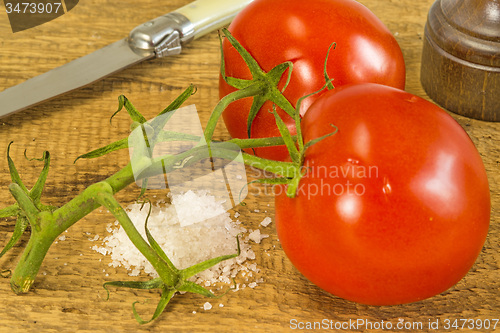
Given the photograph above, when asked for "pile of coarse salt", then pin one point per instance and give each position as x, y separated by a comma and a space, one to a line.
186, 243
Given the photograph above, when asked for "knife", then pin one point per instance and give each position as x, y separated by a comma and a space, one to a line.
160, 37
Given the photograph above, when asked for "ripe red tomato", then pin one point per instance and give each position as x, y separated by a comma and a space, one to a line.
394, 208
276, 31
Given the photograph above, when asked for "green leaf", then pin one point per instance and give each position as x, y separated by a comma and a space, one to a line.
21, 225
117, 145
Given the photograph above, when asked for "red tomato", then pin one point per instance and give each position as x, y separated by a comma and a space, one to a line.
301, 32
394, 208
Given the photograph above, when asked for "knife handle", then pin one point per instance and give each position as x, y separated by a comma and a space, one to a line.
210, 15
166, 34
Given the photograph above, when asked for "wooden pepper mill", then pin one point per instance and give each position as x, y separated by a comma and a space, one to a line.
461, 57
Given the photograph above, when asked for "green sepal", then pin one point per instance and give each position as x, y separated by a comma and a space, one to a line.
287, 137
156, 246
251, 63
328, 81
9, 211
21, 225
274, 181
258, 102
132, 111
36, 191
117, 145
314, 141
158, 123
189, 91
150, 284
195, 288
200, 267
14, 174
166, 296
297, 118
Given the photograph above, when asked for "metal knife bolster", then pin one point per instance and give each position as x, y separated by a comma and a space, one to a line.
162, 36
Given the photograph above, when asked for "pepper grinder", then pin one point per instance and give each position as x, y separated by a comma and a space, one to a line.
461, 57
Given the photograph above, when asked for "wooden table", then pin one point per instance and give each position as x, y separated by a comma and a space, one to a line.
68, 295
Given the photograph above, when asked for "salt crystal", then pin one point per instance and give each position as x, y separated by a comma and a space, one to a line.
99, 249
95, 238
256, 236
206, 207
63, 237
266, 221
207, 306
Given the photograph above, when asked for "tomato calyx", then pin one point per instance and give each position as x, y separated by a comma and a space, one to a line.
263, 87
295, 145
267, 83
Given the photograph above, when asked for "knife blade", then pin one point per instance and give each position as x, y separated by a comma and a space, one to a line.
160, 37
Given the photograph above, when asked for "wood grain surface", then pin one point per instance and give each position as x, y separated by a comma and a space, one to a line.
68, 294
